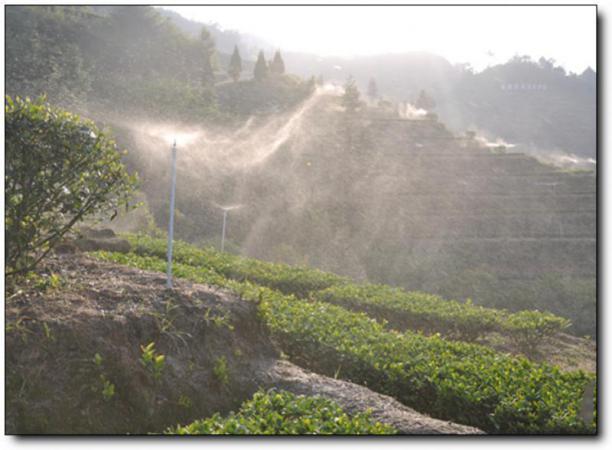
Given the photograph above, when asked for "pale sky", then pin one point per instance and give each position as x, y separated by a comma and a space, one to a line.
480, 35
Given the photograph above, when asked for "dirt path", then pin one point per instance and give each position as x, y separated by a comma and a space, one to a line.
355, 398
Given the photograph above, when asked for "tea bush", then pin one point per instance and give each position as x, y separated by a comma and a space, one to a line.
59, 170
281, 412
402, 310
288, 279
466, 383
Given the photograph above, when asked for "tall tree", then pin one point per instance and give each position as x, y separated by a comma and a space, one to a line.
372, 89
351, 103
350, 99
261, 67
235, 65
277, 65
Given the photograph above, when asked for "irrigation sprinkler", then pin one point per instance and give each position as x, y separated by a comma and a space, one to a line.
171, 221
223, 231
225, 210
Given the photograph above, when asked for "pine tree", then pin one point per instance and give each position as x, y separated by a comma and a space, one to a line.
235, 65
261, 67
372, 89
277, 65
350, 99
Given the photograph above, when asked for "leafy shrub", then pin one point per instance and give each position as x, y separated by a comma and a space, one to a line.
430, 313
288, 279
415, 310
529, 329
466, 383
152, 361
571, 296
281, 412
255, 96
401, 309
102, 385
221, 370
59, 170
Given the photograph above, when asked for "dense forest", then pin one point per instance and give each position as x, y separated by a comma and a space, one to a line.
100, 60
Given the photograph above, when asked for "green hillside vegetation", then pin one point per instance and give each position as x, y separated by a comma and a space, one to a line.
288, 279
132, 59
467, 383
524, 101
60, 170
401, 310
275, 92
401, 202
448, 380
282, 413
129, 58
383, 248
431, 313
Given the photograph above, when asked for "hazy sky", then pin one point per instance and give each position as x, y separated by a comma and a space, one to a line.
480, 35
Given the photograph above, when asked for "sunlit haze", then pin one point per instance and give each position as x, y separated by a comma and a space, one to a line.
479, 35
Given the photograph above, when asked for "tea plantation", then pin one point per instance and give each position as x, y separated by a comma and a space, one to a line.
317, 319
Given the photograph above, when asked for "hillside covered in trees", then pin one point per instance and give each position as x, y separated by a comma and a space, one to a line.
112, 61
536, 104
532, 103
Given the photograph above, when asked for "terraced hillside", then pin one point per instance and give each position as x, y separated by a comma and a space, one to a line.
389, 200
467, 210
205, 347
408, 203
463, 382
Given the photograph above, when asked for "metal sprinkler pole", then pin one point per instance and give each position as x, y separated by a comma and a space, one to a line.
223, 231
171, 222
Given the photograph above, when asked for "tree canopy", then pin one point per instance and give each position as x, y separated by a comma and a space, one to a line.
60, 169
125, 56
235, 65
261, 67
277, 65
